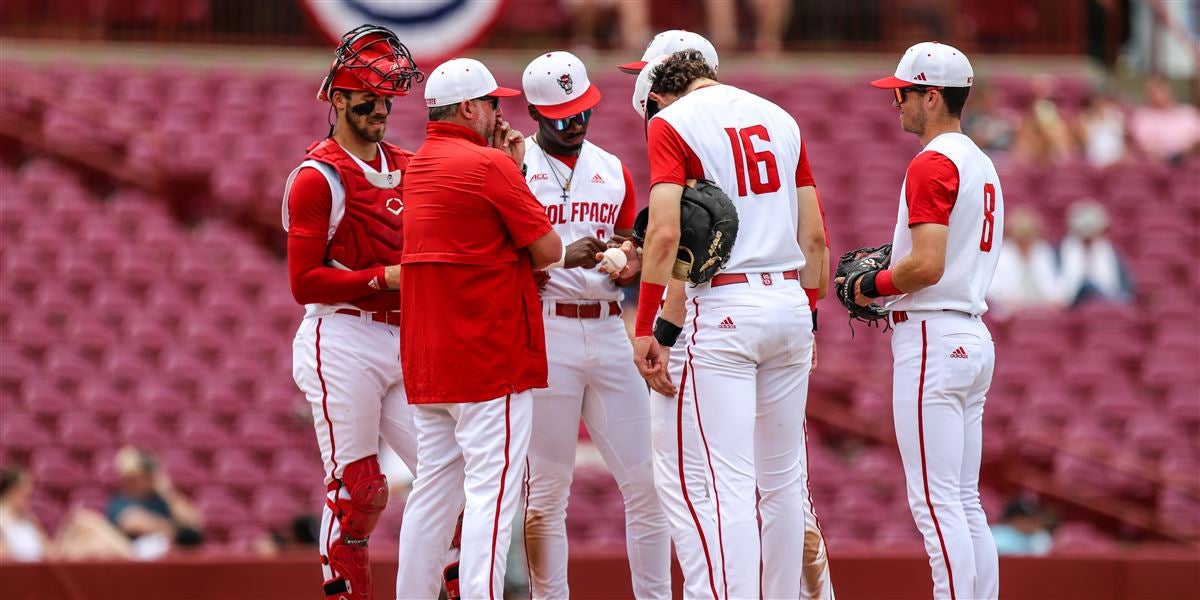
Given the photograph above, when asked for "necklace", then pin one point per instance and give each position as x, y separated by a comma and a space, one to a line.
566, 187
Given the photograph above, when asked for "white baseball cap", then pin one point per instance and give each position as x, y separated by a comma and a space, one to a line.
669, 42
641, 89
461, 79
557, 85
930, 64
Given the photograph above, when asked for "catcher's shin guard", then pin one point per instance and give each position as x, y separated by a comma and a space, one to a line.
362, 494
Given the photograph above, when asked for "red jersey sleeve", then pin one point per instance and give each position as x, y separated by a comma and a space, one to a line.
804, 177
628, 211
930, 188
671, 159
521, 212
309, 204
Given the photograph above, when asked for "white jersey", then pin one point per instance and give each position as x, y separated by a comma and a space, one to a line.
590, 209
750, 148
975, 237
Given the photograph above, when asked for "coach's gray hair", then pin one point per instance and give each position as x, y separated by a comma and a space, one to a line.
442, 113
679, 71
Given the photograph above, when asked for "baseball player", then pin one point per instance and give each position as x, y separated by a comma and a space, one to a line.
948, 235
672, 415
474, 234
748, 330
341, 211
588, 196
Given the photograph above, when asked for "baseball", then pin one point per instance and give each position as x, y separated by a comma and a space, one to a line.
614, 260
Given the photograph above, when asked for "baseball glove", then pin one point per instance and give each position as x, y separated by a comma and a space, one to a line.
708, 227
851, 267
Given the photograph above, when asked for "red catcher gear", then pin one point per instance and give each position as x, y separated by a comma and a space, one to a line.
357, 511
370, 233
371, 59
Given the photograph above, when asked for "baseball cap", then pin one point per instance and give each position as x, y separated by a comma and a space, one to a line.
461, 79
641, 89
669, 42
930, 64
557, 85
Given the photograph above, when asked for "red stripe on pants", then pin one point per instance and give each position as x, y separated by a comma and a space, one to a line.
332, 446
500, 498
924, 471
683, 482
704, 440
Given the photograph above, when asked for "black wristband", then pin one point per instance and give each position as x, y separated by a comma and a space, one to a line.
814, 315
666, 332
867, 285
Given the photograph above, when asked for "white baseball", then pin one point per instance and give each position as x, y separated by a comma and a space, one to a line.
614, 260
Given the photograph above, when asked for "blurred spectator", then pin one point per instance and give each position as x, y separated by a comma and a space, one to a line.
1027, 270
1163, 129
1088, 263
300, 535
1022, 529
1043, 135
986, 122
1102, 130
84, 534
770, 24
149, 509
632, 23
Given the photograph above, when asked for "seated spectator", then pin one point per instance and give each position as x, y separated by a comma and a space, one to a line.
1026, 270
1088, 263
84, 534
1043, 135
149, 509
1163, 129
1022, 530
1101, 129
987, 124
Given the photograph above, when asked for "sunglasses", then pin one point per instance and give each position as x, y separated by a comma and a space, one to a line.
563, 124
493, 100
901, 92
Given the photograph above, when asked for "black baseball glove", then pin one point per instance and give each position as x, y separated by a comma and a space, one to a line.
851, 267
708, 227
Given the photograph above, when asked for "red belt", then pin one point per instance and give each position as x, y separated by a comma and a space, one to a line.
391, 317
586, 311
899, 316
731, 278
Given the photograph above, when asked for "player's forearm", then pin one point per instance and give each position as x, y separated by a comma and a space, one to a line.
313, 282
674, 309
911, 274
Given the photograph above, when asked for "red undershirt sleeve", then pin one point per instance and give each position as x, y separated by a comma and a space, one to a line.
930, 188
309, 204
628, 211
671, 159
804, 176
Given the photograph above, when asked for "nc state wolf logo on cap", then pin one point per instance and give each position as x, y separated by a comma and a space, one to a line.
566, 83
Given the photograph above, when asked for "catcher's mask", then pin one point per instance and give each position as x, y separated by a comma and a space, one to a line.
371, 59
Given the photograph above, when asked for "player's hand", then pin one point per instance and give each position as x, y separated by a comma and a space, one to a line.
391, 276
813, 368
859, 299
583, 253
651, 361
633, 262
509, 140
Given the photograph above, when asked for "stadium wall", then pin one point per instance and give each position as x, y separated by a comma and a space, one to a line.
1162, 575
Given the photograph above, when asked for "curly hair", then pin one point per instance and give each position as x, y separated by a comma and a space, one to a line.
678, 72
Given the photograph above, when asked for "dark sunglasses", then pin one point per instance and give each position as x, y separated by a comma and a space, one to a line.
920, 89
563, 124
493, 100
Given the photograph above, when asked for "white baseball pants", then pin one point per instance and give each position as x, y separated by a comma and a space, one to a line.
479, 449
349, 369
746, 374
943, 364
592, 376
